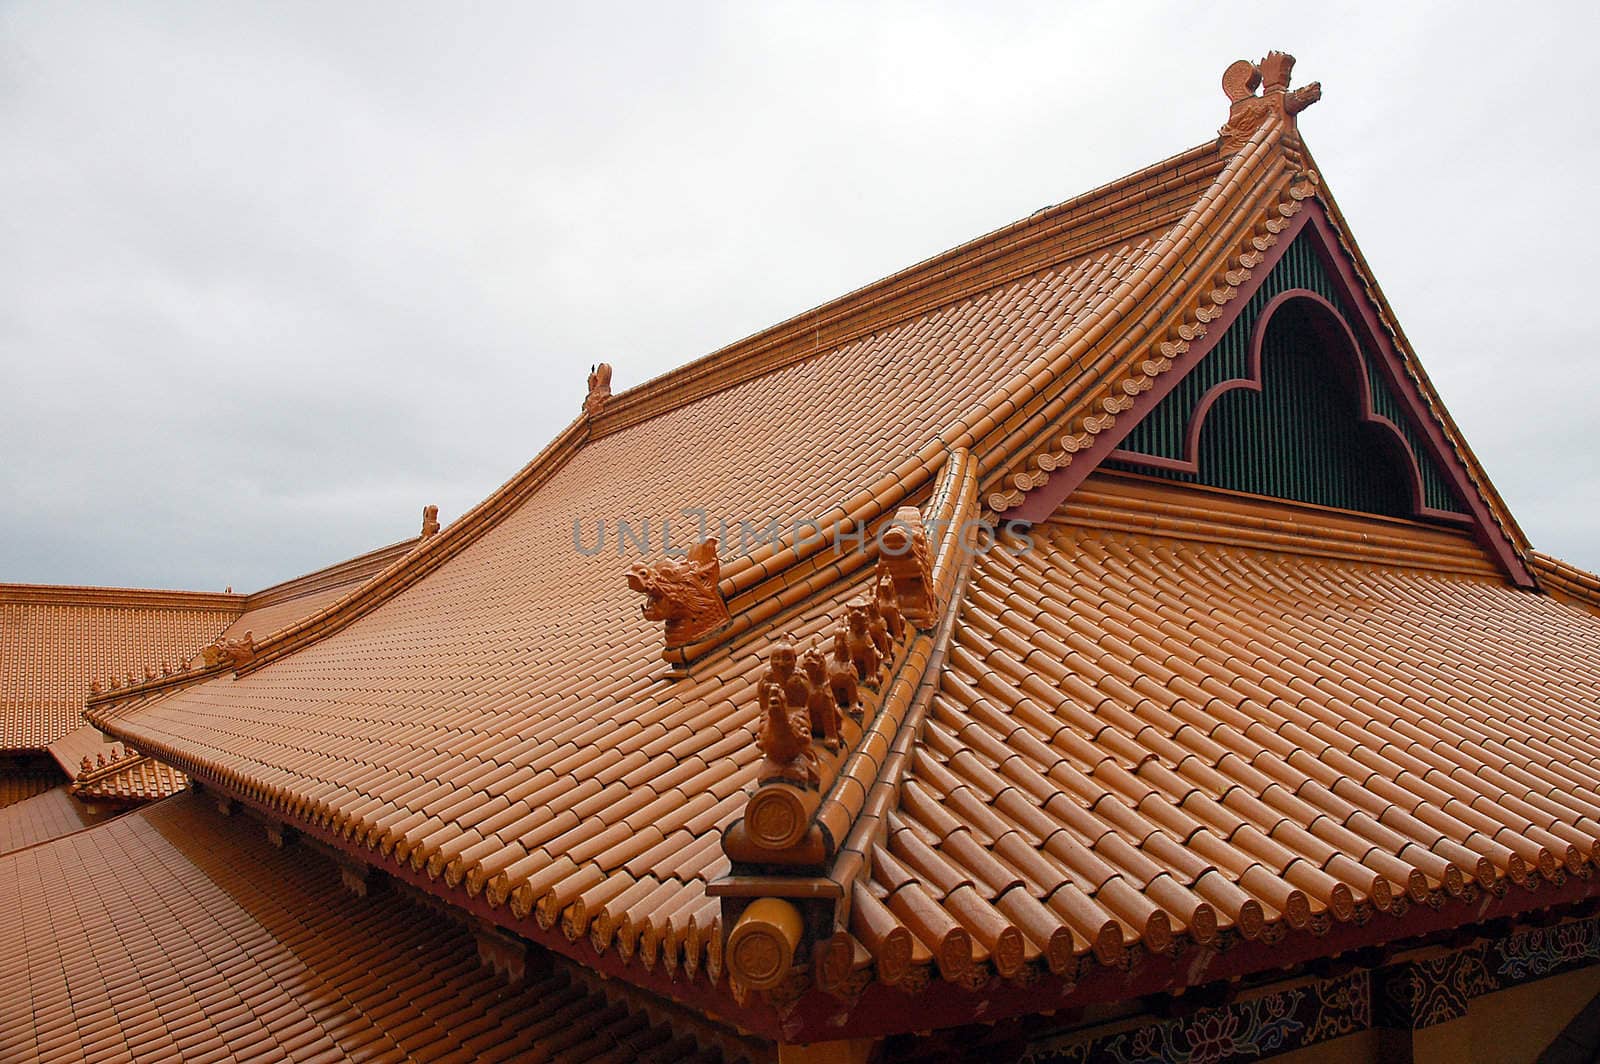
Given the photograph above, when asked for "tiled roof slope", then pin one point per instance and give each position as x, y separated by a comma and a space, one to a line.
55, 640
511, 691
270, 609
168, 933
1566, 580
128, 778
1181, 715
41, 818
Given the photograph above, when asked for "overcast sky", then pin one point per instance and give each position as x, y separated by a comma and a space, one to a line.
274, 276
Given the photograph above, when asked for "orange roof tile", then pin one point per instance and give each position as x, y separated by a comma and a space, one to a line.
86, 742
168, 942
54, 641
1570, 582
125, 776
1096, 748
1283, 735
24, 780
41, 818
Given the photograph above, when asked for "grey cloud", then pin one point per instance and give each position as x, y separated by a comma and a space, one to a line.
276, 276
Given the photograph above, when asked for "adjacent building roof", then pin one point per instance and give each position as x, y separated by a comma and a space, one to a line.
1178, 720
41, 818
56, 641
192, 937
24, 777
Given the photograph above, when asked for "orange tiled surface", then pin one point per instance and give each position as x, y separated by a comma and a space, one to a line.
42, 818
281, 605
87, 741
19, 780
1140, 737
127, 779
503, 722
55, 640
171, 932
1568, 581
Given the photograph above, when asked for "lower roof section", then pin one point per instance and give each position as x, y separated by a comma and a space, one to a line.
43, 817
174, 932
1235, 730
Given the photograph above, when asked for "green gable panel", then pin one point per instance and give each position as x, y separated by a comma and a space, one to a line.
1300, 437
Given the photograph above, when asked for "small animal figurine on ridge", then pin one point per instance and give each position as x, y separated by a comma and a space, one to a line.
820, 703
785, 740
905, 557
863, 647
599, 389
430, 521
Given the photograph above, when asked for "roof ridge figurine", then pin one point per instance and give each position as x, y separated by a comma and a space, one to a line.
1247, 111
599, 389
683, 592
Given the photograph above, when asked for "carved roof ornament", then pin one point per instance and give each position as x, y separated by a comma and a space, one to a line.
683, 592
85, 765
1247, 111
430, 521
904, 558
599, 389
235, 653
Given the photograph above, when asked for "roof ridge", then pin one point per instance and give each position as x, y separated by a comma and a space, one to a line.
801, 841
89, 595
1023, 394
1408, 357
1565, 578
376, 559
1144, 349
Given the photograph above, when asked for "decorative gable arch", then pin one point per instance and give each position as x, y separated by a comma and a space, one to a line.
1320, 370
1307, 268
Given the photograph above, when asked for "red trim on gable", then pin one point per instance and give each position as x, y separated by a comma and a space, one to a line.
1344, 338
1042, 501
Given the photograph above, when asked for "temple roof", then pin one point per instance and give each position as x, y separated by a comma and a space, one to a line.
241, 950
492, 718
56, 641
